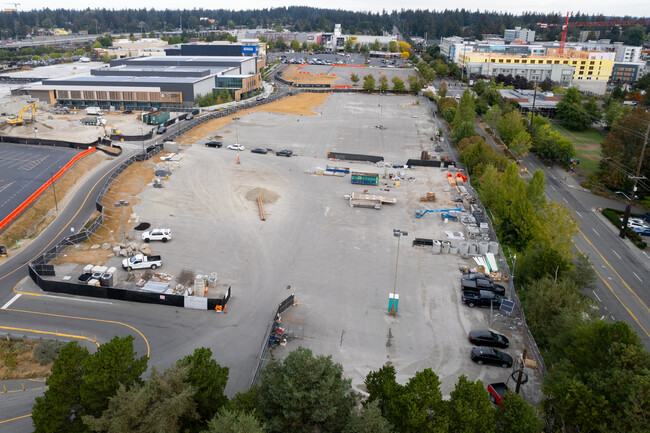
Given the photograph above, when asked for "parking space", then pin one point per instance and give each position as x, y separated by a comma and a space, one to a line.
340, 261
23, 169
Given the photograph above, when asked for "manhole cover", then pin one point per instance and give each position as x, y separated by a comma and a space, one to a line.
142, 226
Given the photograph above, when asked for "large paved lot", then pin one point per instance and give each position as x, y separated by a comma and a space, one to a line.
344, 73
339, 261
23, 169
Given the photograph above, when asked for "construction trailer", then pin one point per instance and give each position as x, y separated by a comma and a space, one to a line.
155, 117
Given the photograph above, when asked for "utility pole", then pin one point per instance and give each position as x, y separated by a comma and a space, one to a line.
636, 178
532, 111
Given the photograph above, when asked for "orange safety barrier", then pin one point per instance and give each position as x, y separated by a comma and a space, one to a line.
342, 86
43, 187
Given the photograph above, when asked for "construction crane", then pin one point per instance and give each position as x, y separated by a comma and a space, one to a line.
18, 120
565, 26
15, 8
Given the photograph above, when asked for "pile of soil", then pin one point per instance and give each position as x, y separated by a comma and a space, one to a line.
268, 197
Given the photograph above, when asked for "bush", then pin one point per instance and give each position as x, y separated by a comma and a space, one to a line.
46, 351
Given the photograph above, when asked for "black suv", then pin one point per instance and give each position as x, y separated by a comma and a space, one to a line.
480, 284
213, 143
481, 298
487, 355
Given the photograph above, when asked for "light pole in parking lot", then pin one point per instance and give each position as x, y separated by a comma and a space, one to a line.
235, 119
393, 298
142, 138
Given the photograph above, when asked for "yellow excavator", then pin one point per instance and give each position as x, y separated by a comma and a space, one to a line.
18, 120
111, 130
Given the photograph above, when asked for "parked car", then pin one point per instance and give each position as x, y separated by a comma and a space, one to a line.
213, 143
3, 251
480, 284
157, 235
235, 147
481, 298
261, 150
284, 152
189, 116
485, 337
161, 129
477, 276
487, 355
642, 230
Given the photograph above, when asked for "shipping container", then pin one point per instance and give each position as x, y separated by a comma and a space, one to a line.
155, 118
365, 178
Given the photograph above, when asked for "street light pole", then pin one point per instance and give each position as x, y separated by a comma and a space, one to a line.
398, 234
628, 208
56, 205
142, 138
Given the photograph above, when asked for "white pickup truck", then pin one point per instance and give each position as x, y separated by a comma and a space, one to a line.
140, 261
157, 235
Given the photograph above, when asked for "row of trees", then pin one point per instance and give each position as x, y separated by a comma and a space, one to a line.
435, 24
370, 84
105, 392
587, 388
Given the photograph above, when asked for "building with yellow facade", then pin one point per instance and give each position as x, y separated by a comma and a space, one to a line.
589, 71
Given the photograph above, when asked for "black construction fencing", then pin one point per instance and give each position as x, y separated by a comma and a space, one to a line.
273, 324
429, 163
46, 142
354, 157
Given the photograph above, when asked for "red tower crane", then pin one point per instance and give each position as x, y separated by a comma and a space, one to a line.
565, 26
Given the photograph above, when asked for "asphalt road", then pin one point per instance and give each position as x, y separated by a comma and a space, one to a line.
71, 216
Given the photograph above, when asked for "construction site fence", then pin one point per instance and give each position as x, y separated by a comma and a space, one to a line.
264, 350
502, 261
429, 163
354, 157
46, 142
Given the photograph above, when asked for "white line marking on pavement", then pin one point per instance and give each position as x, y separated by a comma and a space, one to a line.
77, 299
564, 199
597, 233
637, 277
579, 214
616, 254
646, 254
11, 301
553, 188
597, 296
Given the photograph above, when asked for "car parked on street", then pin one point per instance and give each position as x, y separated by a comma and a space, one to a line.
235, 147
213, 143
485, 337
189, 116
161, 129
487, 355
261, 150
284, 152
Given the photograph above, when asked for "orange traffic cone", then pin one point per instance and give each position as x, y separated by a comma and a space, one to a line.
237, 162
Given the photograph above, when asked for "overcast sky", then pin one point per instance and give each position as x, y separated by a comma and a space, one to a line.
607, 7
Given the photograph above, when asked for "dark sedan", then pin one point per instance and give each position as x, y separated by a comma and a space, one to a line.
259, 150
213, 143
284, 152
488, 338
487, 355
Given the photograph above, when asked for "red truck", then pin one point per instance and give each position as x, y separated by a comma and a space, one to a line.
497, 391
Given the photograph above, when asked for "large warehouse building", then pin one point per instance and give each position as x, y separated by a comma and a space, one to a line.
157, 82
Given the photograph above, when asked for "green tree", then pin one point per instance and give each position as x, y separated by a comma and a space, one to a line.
59, 408
520, 144
480, 87
113, 364
234, 422
247, 401
398, 84
280, 44
383, 388
383, 84
443, 89
354, 78
573, 113
375, 46
393, 47
369, 82
509, 126
369, 420
470, 409
158, 405
421, 407
295, 45
516, 416
152, 34
551, 145
347, 47
303, 392
463, 125
414, 84
79, 52
209, 381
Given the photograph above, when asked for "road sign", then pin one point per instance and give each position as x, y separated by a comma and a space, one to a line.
507, 305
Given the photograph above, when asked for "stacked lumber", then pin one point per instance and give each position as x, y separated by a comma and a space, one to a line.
430, 197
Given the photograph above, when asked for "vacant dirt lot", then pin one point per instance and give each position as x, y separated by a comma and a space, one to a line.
292, 73
302, 104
